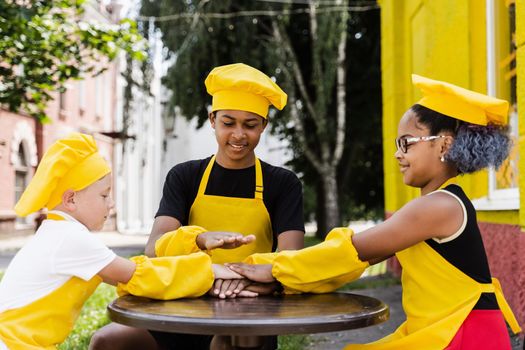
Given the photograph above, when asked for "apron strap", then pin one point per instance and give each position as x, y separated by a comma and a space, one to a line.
258, 178
505, 308
53, 216
206, 176
59, 216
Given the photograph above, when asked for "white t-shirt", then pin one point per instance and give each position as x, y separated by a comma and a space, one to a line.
58, 251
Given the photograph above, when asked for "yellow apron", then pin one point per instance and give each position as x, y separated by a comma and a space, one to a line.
437, 298
241, 215
48, 321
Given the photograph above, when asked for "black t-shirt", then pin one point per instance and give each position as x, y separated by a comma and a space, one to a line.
282, 193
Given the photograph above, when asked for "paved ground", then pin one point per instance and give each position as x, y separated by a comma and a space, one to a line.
126, 245
337, 340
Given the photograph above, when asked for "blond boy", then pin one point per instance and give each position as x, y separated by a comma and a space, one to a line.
50, 278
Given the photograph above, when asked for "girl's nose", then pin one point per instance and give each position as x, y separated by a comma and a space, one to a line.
398, 154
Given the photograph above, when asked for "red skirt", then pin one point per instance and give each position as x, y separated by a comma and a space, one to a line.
482, 329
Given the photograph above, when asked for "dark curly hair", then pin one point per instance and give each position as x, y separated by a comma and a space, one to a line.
475, 147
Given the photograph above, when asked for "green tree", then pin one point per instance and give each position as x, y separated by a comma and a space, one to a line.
46, 43
306, 47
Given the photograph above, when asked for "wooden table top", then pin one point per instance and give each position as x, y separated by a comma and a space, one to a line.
263, 315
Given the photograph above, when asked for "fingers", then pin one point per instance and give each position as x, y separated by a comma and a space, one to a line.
213, 243
217, 287
264, 288
226, 240
224, 273
257, 273
225, 289
245, 270
239, 285
248, 239
247, 294
230, 288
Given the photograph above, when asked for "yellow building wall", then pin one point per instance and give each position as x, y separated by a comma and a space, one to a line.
444, 40
520, 61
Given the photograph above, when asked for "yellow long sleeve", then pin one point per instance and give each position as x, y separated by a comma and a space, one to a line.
261, 258
182, 241
168, 278
321, 268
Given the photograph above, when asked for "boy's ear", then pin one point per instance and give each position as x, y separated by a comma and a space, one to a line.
212, 117
68, 200
264, 123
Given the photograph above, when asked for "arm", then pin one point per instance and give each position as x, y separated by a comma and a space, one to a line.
343, 256
437, 215
161, 225
318, 269
120, 270
290, 240
191, 239
162, 278
287, 215
174, 206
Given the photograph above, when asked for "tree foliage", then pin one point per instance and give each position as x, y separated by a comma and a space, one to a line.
45, 43
301, 51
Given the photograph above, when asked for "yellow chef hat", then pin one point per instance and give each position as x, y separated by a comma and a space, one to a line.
241, 87
460, 103
70, 163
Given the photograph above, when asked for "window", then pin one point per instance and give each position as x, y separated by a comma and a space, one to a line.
503, 192
21, 181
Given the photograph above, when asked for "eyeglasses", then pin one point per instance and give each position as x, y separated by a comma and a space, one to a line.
403, 142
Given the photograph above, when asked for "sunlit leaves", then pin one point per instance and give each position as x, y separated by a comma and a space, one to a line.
43, 44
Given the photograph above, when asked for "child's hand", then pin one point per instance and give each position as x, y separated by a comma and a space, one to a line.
264, 288
229, 284
256, 273
231, 288
226, 240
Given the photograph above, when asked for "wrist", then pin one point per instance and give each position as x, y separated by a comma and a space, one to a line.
199, 242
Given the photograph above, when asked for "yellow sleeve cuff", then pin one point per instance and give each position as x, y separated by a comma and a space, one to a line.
321, 268
260, 258
182, 241
168, 278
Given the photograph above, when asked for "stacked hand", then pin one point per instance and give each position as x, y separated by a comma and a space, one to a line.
243, 280
236, 280
226, 240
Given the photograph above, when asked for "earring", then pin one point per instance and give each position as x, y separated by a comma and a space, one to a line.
442, 159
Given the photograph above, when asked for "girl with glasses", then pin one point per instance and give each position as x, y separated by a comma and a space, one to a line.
449, 296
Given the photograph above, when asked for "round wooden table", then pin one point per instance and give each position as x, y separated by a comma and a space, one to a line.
260, 316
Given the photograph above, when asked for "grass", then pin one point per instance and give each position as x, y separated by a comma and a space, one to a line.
293, 342
92, 317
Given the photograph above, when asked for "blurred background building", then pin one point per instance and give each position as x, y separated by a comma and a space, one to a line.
87, 106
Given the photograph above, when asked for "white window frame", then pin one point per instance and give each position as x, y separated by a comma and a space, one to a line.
497, 199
